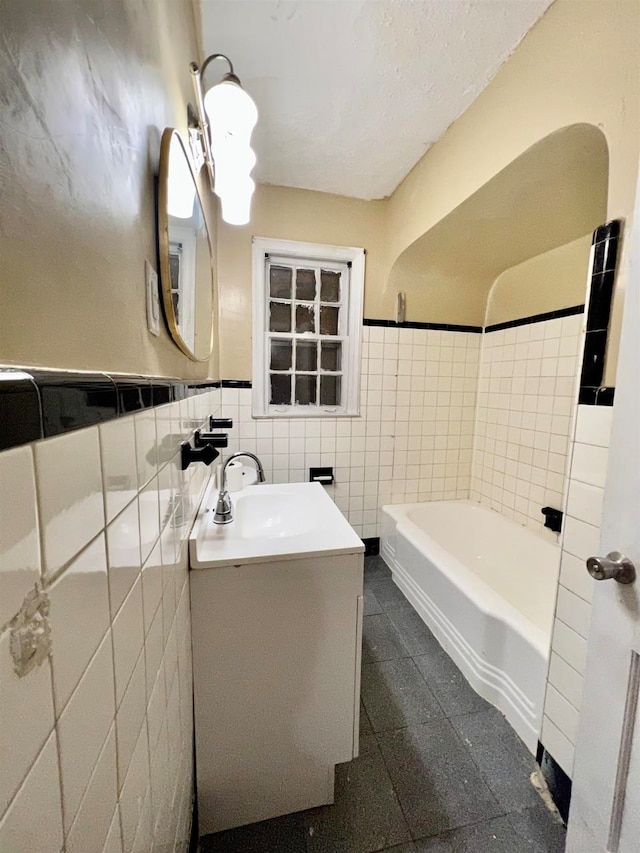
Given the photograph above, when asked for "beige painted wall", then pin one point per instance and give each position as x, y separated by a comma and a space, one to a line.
90, 87
552, 280
292, 215
549, 196
579, 64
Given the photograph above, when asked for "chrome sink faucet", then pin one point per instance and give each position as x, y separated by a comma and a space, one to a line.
224, 507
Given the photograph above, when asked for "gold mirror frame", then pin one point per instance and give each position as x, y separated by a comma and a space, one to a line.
168, 136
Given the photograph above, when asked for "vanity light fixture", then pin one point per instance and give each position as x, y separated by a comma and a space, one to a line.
226, 116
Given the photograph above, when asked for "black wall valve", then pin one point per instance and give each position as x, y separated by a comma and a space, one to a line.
215, 439
188, 454
552, 518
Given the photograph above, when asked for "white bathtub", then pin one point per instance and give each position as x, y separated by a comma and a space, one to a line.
486, 587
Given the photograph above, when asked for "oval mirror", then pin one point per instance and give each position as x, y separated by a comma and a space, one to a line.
186, 259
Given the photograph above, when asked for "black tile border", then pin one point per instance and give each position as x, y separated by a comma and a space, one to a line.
605, 396
409, 324
37, 403
596, 396
604, 256
558, 782
600, 299
371, 546
595, 347
478, 330
536, 318
608, 231
20, 412
235, 383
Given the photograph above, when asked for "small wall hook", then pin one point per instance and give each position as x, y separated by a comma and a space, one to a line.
189, 454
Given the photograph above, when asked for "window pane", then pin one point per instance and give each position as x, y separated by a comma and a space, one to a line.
329, 286
330, 390
328, 321
280, 389
306, 285
280, 279
280, 317
174, 270
331, 356
305, 318
307, 355
281, 355
306, 390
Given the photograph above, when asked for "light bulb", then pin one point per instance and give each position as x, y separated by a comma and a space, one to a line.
236, 203
233, 166
231, 110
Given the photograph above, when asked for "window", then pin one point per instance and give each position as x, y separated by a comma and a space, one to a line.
306, 329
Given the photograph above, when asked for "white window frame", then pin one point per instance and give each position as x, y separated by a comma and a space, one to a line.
263, 246
185, 237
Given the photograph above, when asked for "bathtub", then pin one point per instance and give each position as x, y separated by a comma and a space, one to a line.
486, 588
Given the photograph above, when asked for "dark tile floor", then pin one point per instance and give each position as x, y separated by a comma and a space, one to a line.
440, 770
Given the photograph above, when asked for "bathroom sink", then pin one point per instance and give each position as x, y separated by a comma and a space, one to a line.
271, 522
260, 515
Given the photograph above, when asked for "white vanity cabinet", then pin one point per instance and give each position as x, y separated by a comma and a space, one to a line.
276, 657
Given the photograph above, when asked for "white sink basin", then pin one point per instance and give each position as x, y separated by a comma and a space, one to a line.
271, 522
261, 515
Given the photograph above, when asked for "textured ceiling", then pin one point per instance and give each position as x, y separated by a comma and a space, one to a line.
351, 93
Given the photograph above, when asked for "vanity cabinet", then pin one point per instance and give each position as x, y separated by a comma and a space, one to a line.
276, 658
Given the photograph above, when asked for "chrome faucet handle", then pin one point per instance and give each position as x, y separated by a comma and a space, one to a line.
223, 514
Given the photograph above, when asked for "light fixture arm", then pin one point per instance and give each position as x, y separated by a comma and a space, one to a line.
210, 59
197, 74
235, 116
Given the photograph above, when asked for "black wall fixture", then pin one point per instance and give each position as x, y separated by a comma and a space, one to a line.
603, 271
552, 518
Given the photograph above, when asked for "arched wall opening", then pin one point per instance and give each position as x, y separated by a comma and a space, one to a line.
543, 205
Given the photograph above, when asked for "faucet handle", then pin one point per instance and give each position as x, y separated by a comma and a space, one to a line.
215, 439
189, 454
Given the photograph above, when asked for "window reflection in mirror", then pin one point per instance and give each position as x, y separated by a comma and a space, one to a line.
185, 252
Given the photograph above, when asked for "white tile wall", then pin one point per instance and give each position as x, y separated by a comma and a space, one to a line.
580, 539
19, 545
96, 743
39, 795
527, 388
413, 442
421, 437
70, 494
